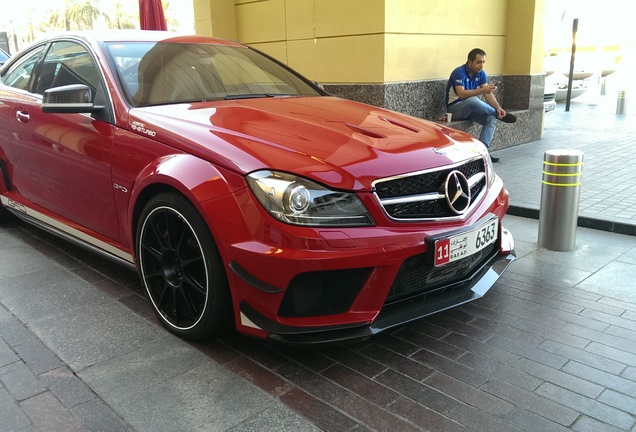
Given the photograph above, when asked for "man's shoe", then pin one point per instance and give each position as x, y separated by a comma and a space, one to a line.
494, 159
508, 118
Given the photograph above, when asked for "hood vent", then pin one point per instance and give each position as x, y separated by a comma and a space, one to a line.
364, 131
402, 125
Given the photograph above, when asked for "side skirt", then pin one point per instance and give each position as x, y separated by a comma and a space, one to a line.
115, 255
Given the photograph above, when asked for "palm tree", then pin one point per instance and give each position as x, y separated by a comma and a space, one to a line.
83, 14
170, 22
123, 19
76, 15
57, 21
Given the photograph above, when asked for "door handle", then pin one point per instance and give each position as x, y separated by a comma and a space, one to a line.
22, 116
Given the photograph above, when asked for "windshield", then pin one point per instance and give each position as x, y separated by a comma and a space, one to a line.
161, 73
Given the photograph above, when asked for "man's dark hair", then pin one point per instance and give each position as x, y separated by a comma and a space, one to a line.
472, 55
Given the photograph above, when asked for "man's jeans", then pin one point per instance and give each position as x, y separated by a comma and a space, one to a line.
474, 109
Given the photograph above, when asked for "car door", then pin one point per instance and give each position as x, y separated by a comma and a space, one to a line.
65, 158
16, 81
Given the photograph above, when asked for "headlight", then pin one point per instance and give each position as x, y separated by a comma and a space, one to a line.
490, 171
299, 201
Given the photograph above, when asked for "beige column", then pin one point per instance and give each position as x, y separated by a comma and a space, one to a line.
215, 18
524, 50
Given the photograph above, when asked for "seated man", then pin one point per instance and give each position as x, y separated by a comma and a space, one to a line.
465, 85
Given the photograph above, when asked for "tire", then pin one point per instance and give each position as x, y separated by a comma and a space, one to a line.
181, 269
4, 214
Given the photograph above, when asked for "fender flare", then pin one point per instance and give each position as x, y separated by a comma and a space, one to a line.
196, 179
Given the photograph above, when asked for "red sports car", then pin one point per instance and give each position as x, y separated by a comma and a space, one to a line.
244, 194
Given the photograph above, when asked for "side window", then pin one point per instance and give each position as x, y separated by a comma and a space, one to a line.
20, 73
67, 63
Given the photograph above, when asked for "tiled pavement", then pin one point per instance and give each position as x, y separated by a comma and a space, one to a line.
608, 143
81, 351
552, 347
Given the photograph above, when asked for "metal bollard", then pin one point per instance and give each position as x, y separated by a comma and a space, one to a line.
621, 102
603, 82
561, 184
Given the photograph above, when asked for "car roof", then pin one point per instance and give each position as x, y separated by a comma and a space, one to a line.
110, 36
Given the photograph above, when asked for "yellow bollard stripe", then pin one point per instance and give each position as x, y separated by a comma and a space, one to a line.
560, 184
563, 164
562, 174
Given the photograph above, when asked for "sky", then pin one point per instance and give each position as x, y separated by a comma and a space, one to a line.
23, 12
603, 22
605, 37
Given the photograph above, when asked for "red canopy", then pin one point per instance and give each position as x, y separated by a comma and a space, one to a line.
151, 15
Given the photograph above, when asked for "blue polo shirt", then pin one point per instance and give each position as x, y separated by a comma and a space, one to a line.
460, 77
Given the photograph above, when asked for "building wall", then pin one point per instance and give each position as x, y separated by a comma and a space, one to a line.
392, 53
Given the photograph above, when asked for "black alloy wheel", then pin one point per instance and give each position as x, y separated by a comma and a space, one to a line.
181, 269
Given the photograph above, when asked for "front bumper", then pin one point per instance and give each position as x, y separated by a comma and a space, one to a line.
455, 294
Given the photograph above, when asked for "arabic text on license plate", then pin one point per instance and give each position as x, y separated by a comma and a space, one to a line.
465, 244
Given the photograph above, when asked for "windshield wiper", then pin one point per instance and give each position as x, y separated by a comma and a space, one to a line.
180, 101
256, 95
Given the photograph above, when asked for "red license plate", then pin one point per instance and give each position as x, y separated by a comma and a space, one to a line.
461, 245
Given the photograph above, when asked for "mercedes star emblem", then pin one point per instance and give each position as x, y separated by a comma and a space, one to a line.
457, 192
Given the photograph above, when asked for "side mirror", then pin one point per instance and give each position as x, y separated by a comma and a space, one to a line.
74, 98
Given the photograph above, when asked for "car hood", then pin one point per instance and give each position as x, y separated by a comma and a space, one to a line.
338, 142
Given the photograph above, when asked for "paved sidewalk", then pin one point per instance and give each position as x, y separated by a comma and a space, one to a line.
40, 392
81, 351
552, 347
608, 143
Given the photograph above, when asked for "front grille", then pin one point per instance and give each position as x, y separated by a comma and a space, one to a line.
421, 195
417, 277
